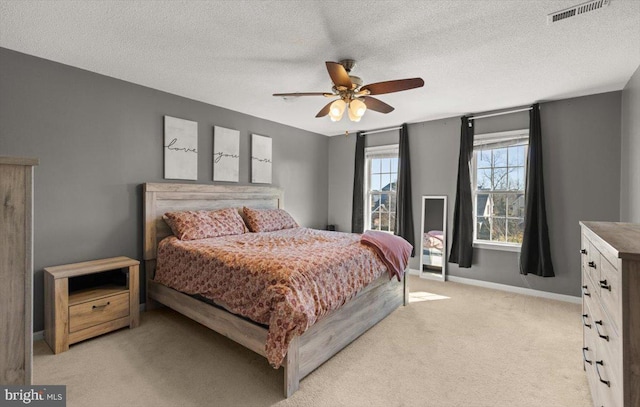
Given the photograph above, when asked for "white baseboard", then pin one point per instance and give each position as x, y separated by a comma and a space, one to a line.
428, 276
517, 290
508, 288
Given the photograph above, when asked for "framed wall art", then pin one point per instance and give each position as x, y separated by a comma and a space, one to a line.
260, 159
180, 149
226, 154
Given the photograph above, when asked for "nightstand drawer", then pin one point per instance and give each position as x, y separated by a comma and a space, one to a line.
98, 311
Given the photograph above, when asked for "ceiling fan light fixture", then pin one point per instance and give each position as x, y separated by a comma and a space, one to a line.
337, 110
353, 117
353, 95
357, 107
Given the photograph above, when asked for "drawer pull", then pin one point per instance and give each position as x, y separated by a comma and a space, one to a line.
100, 306
603, 284
605, 337
584, 291
584, 355
584, 322
601, 363
583, 251
592, 264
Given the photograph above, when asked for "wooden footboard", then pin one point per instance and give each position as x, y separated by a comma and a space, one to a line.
306, 352
317, 345
251, 336
331, 334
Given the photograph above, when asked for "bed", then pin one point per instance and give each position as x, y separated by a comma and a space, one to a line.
432, 249
304, 352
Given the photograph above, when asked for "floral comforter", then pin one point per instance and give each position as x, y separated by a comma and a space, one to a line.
286, 279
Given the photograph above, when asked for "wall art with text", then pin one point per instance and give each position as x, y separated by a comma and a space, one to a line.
260, 159
180, 149
226, 154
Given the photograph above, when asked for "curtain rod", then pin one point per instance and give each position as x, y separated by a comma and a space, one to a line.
381, 130
500, 113
470, 118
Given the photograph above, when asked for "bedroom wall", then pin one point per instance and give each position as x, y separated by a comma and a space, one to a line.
630, 164
581, 138
98, 139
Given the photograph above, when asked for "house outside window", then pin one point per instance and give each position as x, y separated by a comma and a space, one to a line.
381, 169
499, 182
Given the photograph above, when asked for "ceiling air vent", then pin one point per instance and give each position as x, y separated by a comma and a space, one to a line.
576, 10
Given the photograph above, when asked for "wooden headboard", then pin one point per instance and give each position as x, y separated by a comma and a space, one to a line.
160, 198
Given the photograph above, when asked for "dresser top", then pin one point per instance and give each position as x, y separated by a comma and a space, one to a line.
624, 238
90, 267
18, 160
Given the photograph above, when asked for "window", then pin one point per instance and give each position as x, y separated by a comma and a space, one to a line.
499, 179
381, 171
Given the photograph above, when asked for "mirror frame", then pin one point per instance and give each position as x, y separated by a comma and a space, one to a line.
443, 273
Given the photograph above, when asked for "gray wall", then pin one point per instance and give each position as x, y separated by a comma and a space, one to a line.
630, 165
99, 138
581, 139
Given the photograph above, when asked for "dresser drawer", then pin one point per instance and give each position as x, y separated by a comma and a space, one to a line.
584, 251
607, 382
99, 311
592, 266
610, 290
606, 251
590, 285
608, 344
606, 374
589, 358
589, 290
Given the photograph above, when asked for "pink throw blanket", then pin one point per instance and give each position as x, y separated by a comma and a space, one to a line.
394, 251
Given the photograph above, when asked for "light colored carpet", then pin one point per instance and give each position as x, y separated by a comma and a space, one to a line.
478, 347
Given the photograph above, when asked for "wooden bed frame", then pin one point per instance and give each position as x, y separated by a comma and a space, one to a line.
306, 352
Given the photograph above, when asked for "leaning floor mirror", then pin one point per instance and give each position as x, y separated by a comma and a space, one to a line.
433, 247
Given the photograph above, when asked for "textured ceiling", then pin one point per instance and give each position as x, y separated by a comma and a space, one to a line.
473, 55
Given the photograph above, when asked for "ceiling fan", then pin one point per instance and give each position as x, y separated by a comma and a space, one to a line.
353, 96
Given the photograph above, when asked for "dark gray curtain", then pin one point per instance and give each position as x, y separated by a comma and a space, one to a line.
404, 210
357, 209
535, 253
462, 243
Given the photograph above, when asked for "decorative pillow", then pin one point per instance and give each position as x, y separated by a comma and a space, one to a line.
192, 225
268, 220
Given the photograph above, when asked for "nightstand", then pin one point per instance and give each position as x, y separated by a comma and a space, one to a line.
84, 300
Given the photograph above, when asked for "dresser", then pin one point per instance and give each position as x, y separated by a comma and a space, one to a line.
610, 255
16, 269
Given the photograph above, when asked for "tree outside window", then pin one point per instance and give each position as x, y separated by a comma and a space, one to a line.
499, 193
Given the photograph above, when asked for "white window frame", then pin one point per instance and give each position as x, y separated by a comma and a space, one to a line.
479, 140
385, 151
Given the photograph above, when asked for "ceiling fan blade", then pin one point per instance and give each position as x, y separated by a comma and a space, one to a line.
377, 105
339, 75
393, 86
304, 94
325, 110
